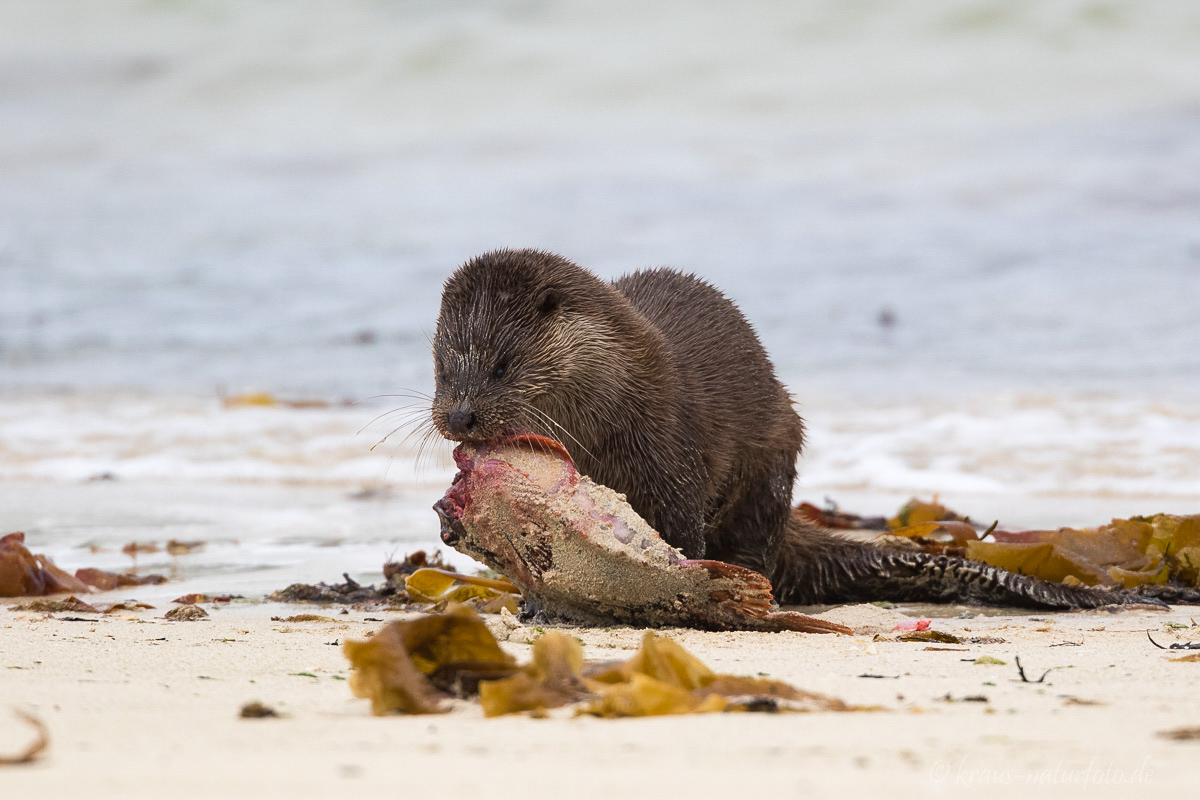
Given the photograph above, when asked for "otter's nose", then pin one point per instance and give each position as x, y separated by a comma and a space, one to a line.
461, 423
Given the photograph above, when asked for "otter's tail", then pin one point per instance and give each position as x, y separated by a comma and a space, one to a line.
820, 566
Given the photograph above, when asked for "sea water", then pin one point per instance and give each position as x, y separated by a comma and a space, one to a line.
968, 234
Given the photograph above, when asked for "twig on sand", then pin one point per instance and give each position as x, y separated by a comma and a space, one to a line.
1024, 679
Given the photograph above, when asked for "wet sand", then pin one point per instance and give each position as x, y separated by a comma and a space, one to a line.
138, 706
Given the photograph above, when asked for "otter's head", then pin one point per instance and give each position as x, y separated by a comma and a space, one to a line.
507, 343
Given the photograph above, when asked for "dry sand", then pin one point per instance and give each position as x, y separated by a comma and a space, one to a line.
138, 706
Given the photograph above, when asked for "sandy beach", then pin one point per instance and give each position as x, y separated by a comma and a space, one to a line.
138, 706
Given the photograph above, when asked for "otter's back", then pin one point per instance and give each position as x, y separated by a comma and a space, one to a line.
718, 359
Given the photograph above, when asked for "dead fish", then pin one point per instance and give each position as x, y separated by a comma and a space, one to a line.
579, 552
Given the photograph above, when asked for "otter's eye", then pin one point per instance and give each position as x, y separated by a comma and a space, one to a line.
501, 368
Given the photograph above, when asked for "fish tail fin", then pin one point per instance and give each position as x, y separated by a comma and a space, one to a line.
744, 601
738, 588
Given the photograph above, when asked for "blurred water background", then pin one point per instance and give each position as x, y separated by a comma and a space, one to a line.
968, 233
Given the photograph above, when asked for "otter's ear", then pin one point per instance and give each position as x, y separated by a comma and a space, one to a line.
548, 300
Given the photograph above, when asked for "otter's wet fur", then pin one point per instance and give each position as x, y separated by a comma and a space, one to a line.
659, 389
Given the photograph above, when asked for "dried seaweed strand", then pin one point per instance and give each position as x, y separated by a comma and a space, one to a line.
35, 749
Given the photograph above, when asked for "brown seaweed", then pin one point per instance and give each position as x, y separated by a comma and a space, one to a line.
350, 593
489, 595
178, 548
48, 606
1141, 551
23, 574
257, 710
412, 666
415, 666
397, 571
553, 678
1181, 734
107, 581
187, 613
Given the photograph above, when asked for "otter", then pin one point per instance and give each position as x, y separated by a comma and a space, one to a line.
660, 389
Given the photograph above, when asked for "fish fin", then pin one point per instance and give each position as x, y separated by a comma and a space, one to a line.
740, 590
543, 442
